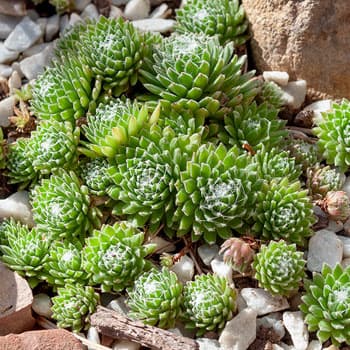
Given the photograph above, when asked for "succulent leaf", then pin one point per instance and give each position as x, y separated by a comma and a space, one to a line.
305, 154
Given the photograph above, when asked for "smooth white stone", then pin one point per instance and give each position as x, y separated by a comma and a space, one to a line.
317, 108
80, 4
207, 253
35, 49
239, 332
208, 344
334, 226
90, 11
34, 65
137, 9
15, 82
324, 248
163, 246
17, 206
274, 322
346, 246
314, 345
184, 269
160, 11
119, 305
6, 110
295, 325
125, 345
25, 34
280, 78
93, 336
42, 22
74, 18
5, 72
42, 305
157, 25
294, 93
52, 27
115, 12
6, 55
345, 262
64, 23
346, 186
262, 301
222, 269
7, 25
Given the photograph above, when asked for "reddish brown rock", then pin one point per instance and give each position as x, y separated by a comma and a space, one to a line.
309, 39
15, 303
56, 339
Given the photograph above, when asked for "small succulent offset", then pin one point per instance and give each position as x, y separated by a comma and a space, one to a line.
271, 94
61, 207
156, 298
114, 256
222, 18
326, 304
279, 268
333, 132
305, 153
73, 306
337, 205
209, 302
283, 211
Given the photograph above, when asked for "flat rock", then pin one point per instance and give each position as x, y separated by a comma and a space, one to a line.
294, 93
6, 110
295, 325
137, 9
25, 34
42, 305
52, 27
13, 7
262, 301
15, 303
207, 252
53, 339
184, 269
239, 332
157, 25
6, 55
303, 38
324, 248
7, 25
280, 78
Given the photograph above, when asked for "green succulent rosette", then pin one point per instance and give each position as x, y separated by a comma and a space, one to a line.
53, 145
326, 304
283, 211
61, 207
73, 306
64, 265
25, 251
65, 91
222, 18
209, 302
305, 154
145, 174
156, 298
112, 125
279, 268
194, 72
333, 132
19, 165
215, 193
271, 94
114, 256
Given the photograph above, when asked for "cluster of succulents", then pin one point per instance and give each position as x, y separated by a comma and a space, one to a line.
138, 135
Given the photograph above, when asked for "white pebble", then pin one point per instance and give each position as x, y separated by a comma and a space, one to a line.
160, 12
222, 269
5, 71
17, 206
314, 345
274, 322
207, 252
6, 110
184, 269
52, 27
240, 332
295, 325
157, 25
93, 336
115, 12
125, 345
6, 55
42, 305
294, 93
15, 82
137, 9
317, 108
119, 305
42, 22
163, 246
280, 78
324, 248
90, 11
80, 4
262, 301
208, 344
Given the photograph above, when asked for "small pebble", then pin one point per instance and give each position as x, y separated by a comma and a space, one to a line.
324, 247
52, 27
294, 93
125, 345
90, 11
222, 269
8, 24
240, 302
295, 325
6, 111
6, 55
157, 25
42, 305
15, 82
163, 246
280, 78
160, 11
208, 344
80, 4
274, 322
184, 269
137, 9
93, 336
334, 226
119, 305
42, 23
64, 23
5, 71
207, 252
115, 12
317, 108
16, 67
74, 18
35, 49
314, 345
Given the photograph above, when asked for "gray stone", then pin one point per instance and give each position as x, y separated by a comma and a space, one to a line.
184, 269
119, 305
42, 21
6, 55
32, 14
90, 11
208, 344
207, 252
25, 34
335, 226
35, 49
240, 302
294, 93
280, 78
52, 27
6, 110
93, 336
15, 82
262, 301
16, 67
42, 305
239, 332
64, 23
314, 345
80, 4
115, 12
295, 325
137, 9
324, 248
157, 25
222, 269
7, 25
346, 245
5, 71
160, 12
74, 18
34, 65
274, 322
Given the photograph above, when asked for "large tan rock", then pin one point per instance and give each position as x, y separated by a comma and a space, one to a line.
309, 39
15, 303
